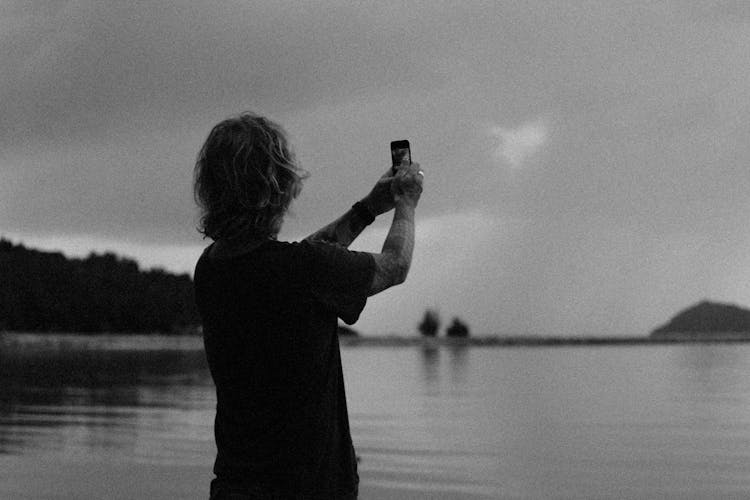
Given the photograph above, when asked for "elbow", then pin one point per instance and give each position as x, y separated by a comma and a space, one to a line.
390, 270
400, 272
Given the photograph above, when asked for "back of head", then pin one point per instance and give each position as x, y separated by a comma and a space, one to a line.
245, 179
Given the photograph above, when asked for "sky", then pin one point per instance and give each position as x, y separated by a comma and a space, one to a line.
586, 162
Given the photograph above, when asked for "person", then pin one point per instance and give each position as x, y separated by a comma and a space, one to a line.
270, 312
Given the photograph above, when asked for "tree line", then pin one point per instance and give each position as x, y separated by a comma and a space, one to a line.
46, 291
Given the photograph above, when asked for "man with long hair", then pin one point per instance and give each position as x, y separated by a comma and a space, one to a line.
270, 312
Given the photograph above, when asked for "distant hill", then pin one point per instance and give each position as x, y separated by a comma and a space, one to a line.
707, 318
46, 291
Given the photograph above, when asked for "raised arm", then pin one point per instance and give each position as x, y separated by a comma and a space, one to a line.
344, 230
394, 260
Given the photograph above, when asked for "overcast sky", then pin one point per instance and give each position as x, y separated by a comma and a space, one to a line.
586, 161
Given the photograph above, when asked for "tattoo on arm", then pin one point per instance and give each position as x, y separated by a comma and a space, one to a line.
343, 231
393, 262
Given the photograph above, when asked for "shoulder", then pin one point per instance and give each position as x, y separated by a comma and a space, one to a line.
202, 262
218, 259
325, 251
339, 278
328, 262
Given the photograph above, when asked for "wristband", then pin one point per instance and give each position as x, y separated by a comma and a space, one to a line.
363, 213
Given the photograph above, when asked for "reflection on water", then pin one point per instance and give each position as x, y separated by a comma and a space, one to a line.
55, 397
711, 367
438, 421
459, 363
582, 422
714, 384
430, 361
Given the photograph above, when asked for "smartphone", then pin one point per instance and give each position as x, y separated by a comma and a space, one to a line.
400, 151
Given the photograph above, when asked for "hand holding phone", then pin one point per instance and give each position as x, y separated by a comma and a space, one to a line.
407, 185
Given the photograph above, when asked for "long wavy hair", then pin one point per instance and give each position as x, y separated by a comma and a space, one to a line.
245, 179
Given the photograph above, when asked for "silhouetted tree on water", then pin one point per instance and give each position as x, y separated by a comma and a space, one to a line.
457, 329
430, 323
45, 291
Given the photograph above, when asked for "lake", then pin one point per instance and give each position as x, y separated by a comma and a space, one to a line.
131, 417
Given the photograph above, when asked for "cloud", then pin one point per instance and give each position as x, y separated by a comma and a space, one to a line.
519, 144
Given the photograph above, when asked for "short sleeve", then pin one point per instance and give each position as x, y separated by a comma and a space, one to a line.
340, 279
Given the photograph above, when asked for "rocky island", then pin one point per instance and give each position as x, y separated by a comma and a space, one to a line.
707, 321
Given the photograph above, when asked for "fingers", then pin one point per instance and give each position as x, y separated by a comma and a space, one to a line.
405, 163
414, 170
408, 174
409, 178
390, 175
408, 168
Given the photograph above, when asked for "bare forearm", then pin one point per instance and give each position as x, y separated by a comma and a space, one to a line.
393, 262
343, 231
400, 240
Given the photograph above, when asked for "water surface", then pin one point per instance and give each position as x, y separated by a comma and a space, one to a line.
94, 417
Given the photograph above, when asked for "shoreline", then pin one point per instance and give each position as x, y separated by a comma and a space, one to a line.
117, 341
543, 341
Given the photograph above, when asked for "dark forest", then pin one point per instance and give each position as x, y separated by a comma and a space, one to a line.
48, 292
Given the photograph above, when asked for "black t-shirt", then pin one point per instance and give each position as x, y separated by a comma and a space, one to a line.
270, 334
